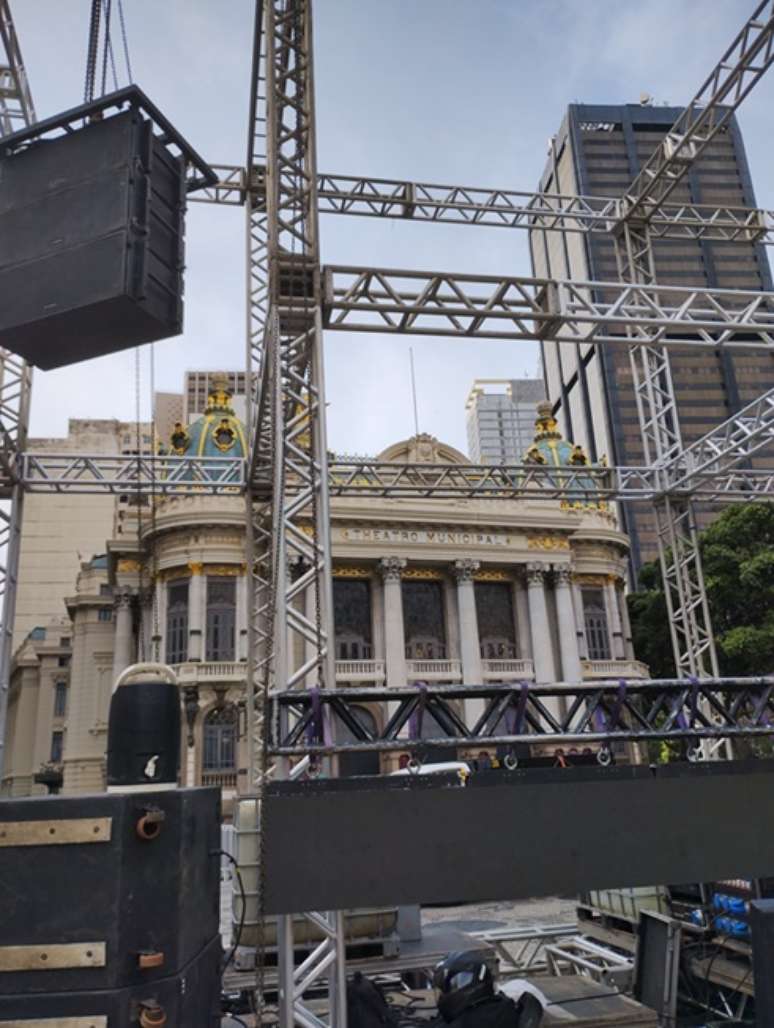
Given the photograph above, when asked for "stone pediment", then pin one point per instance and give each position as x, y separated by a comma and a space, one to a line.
422, 449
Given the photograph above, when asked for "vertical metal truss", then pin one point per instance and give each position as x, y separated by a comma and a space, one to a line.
739, 69
16, 112
678, 545
289, 548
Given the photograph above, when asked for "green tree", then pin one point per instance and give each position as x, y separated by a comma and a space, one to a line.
738, 558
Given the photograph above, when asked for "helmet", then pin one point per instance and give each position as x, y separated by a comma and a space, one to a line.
461, 981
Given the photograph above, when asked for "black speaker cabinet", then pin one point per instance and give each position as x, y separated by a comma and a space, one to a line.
106, 892
188, 999
92, 209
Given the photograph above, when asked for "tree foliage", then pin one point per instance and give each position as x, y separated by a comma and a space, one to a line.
737, 552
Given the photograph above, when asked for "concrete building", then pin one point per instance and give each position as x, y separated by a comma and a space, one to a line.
60, 531
598, 150
460, 592
500, 418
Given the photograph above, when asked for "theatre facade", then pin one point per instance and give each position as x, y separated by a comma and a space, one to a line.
463, 591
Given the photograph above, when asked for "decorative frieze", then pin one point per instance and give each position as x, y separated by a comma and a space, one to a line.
547, 542
423, 574
342, 571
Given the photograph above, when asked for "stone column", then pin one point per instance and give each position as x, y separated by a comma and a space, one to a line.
521, 614
580, 624
470, 650
614, 616
123, 645
572, 671
197, 602
627, 625
394, 637
542, 650
540, 628
243, 583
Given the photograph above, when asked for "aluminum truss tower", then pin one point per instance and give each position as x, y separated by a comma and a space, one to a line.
290, 299
288, 430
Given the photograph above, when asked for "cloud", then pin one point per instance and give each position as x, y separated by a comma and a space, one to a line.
442, 90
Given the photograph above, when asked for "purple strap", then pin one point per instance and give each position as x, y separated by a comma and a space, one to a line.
314, 730
514, 715
612, 722
417, 715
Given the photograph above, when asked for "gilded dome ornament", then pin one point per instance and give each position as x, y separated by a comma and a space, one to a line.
223, 435
551, 450
179, 439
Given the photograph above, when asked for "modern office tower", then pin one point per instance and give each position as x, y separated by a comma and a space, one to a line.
598, 151
500, 415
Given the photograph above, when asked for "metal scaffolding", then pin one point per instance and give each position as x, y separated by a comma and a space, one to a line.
287, 481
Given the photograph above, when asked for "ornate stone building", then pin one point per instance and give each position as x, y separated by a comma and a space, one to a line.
459, 591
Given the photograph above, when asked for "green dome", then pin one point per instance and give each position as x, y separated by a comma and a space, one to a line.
218, 433
551, 450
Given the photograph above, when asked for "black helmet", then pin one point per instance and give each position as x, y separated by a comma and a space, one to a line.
461, 981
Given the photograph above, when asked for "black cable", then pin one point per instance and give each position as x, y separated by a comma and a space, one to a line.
123, 37
243, 899
106, 5
92, 51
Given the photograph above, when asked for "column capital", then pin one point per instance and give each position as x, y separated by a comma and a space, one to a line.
562, 574
463, 570
535, 572
123, 598
391, 567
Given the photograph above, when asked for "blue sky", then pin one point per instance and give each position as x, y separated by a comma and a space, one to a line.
450, 91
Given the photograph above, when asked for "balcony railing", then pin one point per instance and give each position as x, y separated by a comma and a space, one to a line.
615, 669
222, 779
434, 670
211, 671
507, 670
360, 671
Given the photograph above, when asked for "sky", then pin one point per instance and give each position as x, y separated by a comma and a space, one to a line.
452, 91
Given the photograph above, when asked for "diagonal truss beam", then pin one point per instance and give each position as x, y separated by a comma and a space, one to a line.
742, 65
732, 442
17, 110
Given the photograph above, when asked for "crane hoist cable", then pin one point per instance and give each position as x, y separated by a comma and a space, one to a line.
100, 41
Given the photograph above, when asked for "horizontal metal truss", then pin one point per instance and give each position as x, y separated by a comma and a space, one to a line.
423, 718
404, 200
17, 110
365, 476
361, 299
69, 473
739, 69
571, 485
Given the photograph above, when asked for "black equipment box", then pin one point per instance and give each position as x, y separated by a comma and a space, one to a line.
92, 225
107, 891
188, 999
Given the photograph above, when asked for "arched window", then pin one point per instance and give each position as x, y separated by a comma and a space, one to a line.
177, 622
221, 618
220, 735
595, 622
